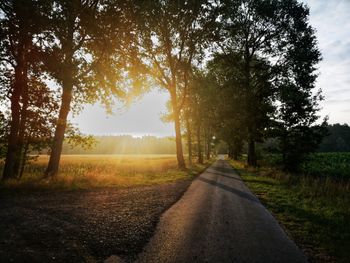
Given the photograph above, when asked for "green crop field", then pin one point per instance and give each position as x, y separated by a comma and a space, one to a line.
328, 165
334, 165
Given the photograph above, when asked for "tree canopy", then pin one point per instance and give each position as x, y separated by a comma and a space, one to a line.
240, 71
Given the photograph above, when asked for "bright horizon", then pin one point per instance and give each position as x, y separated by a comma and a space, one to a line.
329, 18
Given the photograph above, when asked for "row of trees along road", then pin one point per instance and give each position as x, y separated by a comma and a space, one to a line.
242, 70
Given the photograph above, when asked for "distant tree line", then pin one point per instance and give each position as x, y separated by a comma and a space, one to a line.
125, 144
239, 71
337, 139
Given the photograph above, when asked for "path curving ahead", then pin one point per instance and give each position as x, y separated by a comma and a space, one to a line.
219, 220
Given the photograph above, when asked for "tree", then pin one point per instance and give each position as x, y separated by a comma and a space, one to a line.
226, 72
36, 131
172, 35
20, 23
297, 116
204, 107
239, 108
86, 57
261, 34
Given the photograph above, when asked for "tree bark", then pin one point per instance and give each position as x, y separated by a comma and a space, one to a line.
13, 141
22, 125
179, 151
205, 143
12, 146
199, 146
189, 141
252, 161
67, 94
24, 159
230, 151
249, 114
209, 148
61, 125
208, 144
235, 154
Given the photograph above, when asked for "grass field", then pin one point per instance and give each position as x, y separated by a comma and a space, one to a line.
314, 210
86, 171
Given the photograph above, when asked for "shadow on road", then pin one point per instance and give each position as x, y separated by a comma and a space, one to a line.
230, 189
222, 169
224, 175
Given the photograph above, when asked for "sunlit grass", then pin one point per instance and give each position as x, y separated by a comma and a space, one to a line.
87, 171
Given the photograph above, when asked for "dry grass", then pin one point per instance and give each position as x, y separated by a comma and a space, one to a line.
86, 171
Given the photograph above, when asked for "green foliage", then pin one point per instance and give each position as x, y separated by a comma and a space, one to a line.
241, 108
298, 141
298, 109
265, 73
172, 37
76, 139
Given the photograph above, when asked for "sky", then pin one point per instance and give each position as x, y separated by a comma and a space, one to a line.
330, 18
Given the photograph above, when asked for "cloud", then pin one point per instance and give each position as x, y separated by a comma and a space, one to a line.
339, 101
331, 20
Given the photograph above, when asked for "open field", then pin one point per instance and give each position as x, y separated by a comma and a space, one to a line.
315, 211
86, 171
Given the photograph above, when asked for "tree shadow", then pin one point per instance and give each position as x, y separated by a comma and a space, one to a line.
227, 176
240, 193
223, 169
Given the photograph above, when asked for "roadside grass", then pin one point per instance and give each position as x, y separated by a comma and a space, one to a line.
314, 211
90, 171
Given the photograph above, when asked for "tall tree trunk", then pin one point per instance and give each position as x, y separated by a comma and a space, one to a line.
179, 151
249, 114
230, 151
67, 94
208, 148
237, 148
252, 161
22, 126
12, 146
61, 125
24, 159
205, 143
189, 140
235, 154
199, 146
